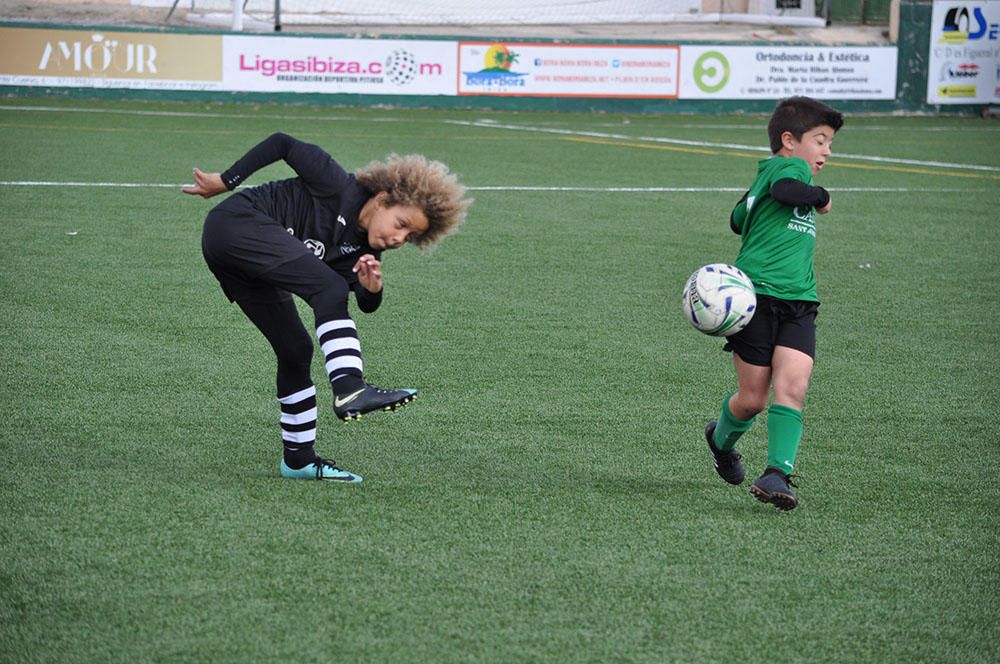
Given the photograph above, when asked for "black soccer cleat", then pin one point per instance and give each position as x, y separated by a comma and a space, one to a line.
772, 487
369, 398
727, 464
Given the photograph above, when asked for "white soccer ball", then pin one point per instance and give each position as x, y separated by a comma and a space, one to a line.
719, 299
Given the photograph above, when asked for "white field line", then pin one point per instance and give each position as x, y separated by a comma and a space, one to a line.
527, 188
710, 144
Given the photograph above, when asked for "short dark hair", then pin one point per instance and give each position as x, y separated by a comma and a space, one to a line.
798, 115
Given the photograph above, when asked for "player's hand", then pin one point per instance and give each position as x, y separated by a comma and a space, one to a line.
205, 184
825, 208
369, 271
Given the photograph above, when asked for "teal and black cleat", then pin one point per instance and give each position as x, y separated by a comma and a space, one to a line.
727, 464
369, 398
320, 469
772, 487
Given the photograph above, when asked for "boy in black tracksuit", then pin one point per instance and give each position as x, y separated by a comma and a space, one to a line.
320, 236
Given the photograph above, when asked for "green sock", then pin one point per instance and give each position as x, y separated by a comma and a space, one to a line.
784, 432
728, 429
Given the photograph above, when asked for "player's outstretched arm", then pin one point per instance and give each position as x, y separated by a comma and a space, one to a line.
205, 184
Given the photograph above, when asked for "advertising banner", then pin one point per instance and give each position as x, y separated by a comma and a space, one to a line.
963, 64
110, 59
966, 68
774, 72
345, 66
567, 70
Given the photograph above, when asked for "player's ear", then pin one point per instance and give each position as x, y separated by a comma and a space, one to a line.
788, 140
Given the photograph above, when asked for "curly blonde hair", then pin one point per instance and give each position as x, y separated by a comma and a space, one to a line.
415, 180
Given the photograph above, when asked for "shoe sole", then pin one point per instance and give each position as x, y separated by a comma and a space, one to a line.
783, 501
351, 416
709, 431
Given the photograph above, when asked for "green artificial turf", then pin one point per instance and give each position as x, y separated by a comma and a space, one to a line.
549, 496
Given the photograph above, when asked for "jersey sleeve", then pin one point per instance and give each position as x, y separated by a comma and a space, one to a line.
367, 301
792, 184
796, 193
317, 169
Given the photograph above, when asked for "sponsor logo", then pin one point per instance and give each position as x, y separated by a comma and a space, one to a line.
711, 71
341, 220
496, 74
960, 26
349, 249
956, 91
950, 71
803, 223
338, 402
400, 68
100, 55
317, 247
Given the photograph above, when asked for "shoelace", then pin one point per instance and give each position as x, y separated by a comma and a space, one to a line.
320, 463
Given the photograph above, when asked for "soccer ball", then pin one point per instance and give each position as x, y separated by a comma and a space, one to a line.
719, 300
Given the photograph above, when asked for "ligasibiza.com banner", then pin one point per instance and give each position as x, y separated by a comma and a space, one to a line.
345, 66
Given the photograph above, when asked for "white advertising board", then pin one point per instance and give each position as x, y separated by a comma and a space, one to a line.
344, 66
775, 72
963, 64
567, 70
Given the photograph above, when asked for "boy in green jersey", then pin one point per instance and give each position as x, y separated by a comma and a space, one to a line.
775, 351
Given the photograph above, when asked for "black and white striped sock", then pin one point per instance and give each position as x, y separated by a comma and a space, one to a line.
298, 426
342, 350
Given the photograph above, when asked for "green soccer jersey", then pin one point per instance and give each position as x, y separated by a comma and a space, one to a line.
778, 240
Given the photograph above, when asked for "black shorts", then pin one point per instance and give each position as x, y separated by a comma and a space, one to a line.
788, 323
243, 246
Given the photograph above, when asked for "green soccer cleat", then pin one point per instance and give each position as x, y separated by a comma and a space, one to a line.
369, 398
772, 487
320, 469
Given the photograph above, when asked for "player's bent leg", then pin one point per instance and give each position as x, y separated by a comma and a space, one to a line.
327, 293
754, 389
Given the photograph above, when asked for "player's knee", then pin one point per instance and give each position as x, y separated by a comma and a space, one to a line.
296, 352
792, 393
330, 303
748, 404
